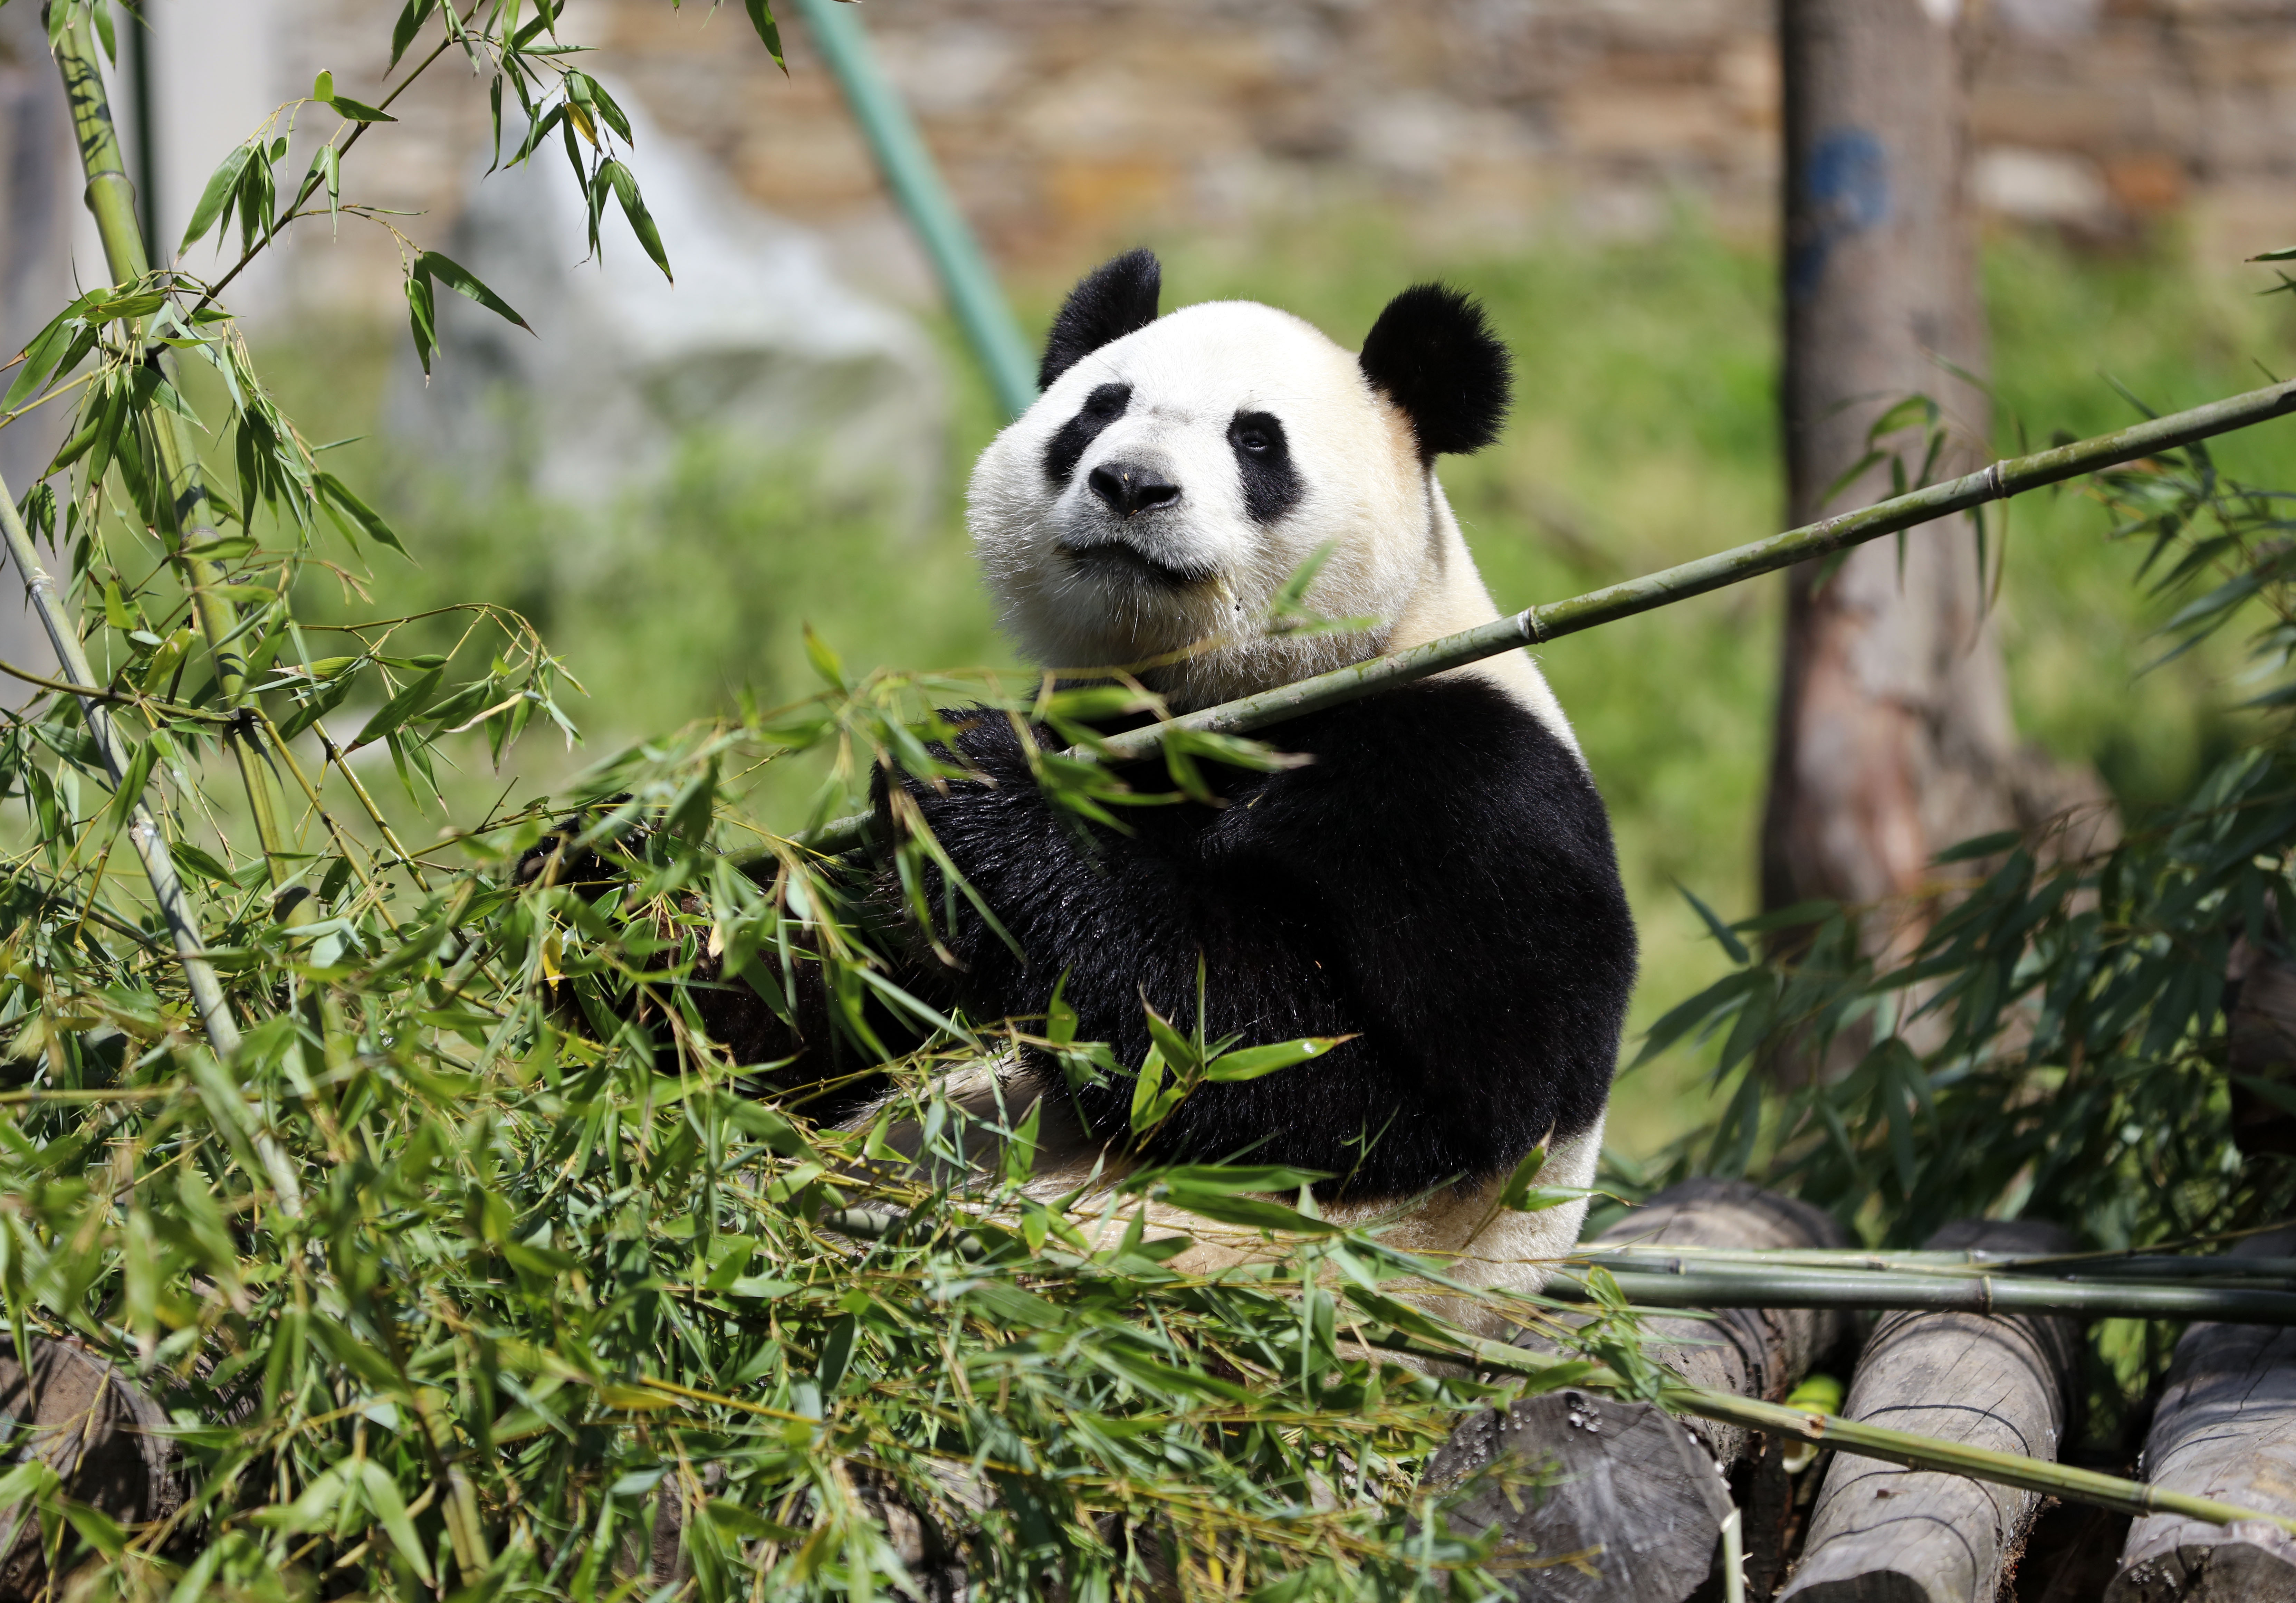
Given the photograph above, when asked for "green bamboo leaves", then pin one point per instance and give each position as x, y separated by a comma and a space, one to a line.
431, 268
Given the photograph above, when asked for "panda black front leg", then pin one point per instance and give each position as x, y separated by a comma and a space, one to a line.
1439, 882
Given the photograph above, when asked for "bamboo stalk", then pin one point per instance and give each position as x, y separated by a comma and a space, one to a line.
111, 202
142, 829
2070, 1266
1535, 626
1863, 1289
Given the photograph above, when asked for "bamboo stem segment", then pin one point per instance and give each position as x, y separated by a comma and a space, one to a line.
1535, 626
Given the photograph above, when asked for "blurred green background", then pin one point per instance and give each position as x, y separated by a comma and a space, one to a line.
1644, 432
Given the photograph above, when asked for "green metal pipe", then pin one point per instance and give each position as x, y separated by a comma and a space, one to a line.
1535, 626
908, 169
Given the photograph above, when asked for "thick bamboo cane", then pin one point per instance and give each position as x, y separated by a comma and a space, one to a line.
142, 829
1535, 626
111, 202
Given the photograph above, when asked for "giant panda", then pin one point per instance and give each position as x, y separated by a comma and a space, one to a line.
1435, 881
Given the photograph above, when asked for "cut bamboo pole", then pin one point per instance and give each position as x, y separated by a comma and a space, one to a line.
2163, 1267
1750, 1285
144, 831
2225, 1428
1885, 1535
1535, 626
1642, 1490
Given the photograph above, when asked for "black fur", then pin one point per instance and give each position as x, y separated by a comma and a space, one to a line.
1263, 457
1440, 882
1113, 299
1434, 355
1068, 444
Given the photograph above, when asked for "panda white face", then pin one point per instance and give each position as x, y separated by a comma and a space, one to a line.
1147, 510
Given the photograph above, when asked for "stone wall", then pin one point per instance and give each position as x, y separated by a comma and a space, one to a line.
1069, 126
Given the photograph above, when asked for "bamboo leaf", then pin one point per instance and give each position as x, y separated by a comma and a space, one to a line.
356, 111
215, 199
411, 699
464, 282
1251, 1062
761, 18
624, 186
381, 1493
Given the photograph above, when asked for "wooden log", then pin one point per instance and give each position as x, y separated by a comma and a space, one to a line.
1635, 1510
2225, 1427
99, 1431
1881, 1534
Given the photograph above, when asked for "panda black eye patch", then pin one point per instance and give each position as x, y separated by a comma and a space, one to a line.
1066, 449
1271, 484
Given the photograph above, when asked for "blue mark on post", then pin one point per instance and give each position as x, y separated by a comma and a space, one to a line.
1845, 192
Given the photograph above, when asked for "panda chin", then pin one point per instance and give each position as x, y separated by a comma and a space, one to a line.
1115, 561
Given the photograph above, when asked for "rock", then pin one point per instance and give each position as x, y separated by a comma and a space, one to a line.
757, 349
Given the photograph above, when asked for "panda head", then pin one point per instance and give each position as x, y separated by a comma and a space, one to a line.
1177, 471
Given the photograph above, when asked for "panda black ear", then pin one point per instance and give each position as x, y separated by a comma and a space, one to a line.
1432, 354
1112, 300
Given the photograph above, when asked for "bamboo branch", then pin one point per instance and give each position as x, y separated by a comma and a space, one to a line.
142, 829
1751, 1286
1535, 626
1776, 1419
1671, 1258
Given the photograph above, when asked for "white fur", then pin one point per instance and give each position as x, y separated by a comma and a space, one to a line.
1398, 556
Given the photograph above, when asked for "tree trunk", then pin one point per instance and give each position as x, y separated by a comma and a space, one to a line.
37, 167
1894, 738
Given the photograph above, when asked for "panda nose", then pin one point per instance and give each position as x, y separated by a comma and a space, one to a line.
1128, 488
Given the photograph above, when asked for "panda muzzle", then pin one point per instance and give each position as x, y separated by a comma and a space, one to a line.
1130, 488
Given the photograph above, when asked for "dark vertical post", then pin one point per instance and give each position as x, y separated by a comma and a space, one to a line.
137, 43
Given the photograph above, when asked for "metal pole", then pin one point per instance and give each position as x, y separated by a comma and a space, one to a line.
908, 169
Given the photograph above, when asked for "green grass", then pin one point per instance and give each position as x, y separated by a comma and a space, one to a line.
1645, 434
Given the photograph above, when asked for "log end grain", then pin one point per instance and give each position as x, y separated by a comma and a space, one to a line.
102, 1434
1595, 1495
2246, 1562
